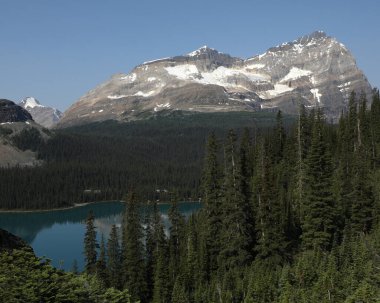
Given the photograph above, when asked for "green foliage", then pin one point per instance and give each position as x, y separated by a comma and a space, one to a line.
90, 244
28, 138
132, 251
159, 153
291, 215
26, 278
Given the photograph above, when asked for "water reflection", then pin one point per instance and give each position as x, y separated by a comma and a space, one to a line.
59, 235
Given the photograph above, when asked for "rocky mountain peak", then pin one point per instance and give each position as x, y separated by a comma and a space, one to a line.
315, 70
43, 115
30, 102
10, 112
204, 50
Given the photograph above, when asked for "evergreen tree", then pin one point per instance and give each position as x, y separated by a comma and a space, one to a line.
101, 263
176, 235
362, 199
269, 228
237, 232
132, 251
318, 224
114, 258
161, 280
211, 184
90, 244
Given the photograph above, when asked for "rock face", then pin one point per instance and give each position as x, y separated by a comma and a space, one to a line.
9, 242
43, 115
315, 70
10, 112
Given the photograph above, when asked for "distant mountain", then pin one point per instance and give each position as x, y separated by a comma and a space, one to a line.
315, 70
19, 136
10, 112
43, 115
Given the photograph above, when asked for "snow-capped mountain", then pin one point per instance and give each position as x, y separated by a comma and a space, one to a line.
315, 70
43, 115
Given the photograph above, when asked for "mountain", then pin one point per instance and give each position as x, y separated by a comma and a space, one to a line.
10, 112
315, 70
43, 115
19, 136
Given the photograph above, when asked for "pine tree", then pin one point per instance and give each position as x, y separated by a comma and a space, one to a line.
101, 263
133, 251
303, 143
237, 230
269, 228
114, 258
161, 280
90, 244
211, 184
318, 225
362, 200
176, 235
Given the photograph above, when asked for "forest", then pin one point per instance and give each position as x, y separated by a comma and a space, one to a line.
287, 217
101, 161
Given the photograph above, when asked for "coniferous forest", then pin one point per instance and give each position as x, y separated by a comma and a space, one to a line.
289, 215
100, 161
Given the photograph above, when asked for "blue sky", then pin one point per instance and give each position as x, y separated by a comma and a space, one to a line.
57, 50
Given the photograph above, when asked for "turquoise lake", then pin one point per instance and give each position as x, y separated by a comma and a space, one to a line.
58, 235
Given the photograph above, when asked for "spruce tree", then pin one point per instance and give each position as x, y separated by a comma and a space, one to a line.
211, 185
176, 229
362, 200
114, 258
318, 224
269, 228
133, 251
161, 279
237, 229
90, 244
101, 263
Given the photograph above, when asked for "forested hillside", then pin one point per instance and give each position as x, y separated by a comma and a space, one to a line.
101, 161
287, 217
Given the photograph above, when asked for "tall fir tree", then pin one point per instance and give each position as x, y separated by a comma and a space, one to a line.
176, 229
101, 264
161, 279
114, 258
211, 184
269, 228
237, 230
90, 244
318, 225
133, 251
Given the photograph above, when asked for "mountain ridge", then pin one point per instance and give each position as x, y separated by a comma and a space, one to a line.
315, 70
43, 115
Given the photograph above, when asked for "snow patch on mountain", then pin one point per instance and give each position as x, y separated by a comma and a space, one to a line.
30, 102
317, 95
295, 73
221, 76
278, 90
131, 78
114, 97
161, 106
142, 94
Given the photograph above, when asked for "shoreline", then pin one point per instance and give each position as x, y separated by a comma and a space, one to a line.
76, 205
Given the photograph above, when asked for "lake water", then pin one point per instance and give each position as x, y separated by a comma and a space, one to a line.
58, 235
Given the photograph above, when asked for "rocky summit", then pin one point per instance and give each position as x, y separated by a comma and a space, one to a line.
315, 70
43, 115
10, 112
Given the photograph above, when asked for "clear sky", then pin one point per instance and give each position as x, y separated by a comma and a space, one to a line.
57, 50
